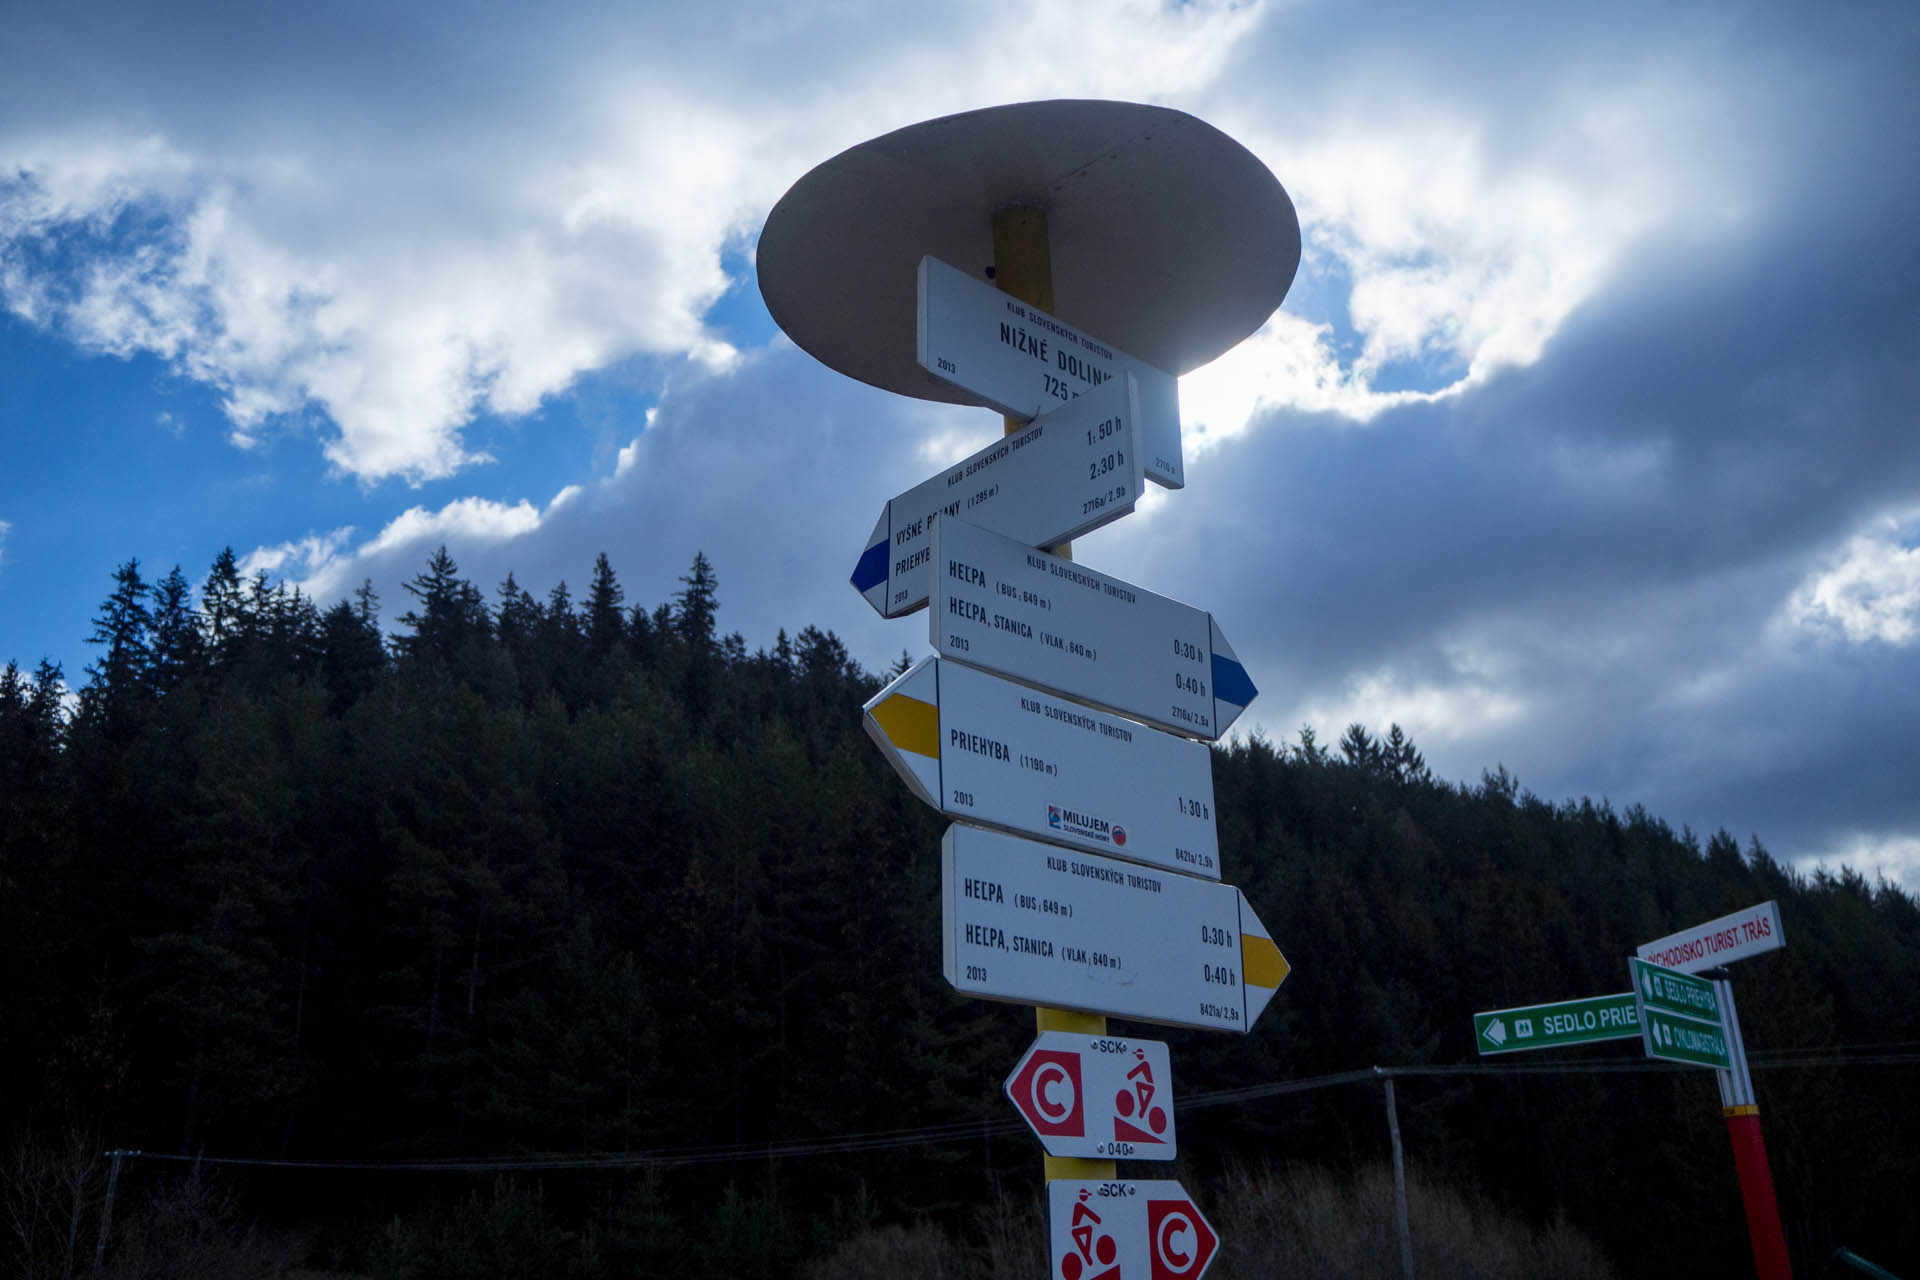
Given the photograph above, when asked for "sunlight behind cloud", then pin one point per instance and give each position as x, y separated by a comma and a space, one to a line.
1439, 258
1288, 364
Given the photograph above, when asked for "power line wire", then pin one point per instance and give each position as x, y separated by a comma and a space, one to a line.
1895, 1053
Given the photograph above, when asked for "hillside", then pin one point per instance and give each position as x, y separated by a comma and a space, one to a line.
592, 894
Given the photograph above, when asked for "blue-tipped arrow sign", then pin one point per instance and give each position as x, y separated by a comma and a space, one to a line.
1056, 624
1063, 474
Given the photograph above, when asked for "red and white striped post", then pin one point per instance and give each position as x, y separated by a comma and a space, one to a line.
1749, 1151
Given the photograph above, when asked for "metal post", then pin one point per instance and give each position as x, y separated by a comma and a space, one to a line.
1749, 1150
106, 1212
1401, 1216
1023, 267
82, 1180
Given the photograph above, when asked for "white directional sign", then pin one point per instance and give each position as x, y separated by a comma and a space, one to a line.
1068, 472
1717, 942
1123, 1230
1034, 924
981, 748
1096, 1097
1047, 621
1023, 362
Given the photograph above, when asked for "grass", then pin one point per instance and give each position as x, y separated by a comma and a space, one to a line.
1273, 1222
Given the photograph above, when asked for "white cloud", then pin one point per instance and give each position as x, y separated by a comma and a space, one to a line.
302, 556
1433, 713
1875, 855
629, 455
1870, 591
474, 242
1289, 364
481, 253
5, 528
464, 521
1452, 252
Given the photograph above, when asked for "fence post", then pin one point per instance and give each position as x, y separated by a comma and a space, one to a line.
106, 1212
1399, 1177
79, 1185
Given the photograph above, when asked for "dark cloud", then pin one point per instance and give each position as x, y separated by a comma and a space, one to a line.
1611, 534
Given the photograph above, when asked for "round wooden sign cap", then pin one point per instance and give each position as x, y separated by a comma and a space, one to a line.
1168, 239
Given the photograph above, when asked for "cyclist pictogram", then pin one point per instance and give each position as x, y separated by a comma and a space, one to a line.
1093, 1246
1136, 1116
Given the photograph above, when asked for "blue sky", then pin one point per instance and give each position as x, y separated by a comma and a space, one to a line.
1583, 444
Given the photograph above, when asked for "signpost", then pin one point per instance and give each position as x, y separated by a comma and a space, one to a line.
1046, 621
1717, 942
1172, 242
1680, 1016
1689, 1019
1096, 1097
1120, 1230
1064, 474
1024, 362
981, 748
1548, 1026
1034, 924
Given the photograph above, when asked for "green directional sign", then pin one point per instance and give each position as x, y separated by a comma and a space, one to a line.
1680, 1016
1679, 1039
1671, 991
1545, 1026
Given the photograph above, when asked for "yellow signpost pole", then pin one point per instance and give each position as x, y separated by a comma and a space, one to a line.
1022, 267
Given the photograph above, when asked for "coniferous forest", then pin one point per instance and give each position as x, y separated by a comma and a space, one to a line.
569, 936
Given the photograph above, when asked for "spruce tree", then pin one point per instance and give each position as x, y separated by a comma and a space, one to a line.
223, 603
179, 648
1359, 747
697, 605
1401, 759
117, 682
351, 657
605, 625
450, 617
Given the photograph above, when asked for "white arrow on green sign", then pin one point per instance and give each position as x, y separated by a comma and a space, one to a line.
1546, 1026
1680, 1016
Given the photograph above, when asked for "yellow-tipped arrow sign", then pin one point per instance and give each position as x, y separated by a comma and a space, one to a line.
989, 751
1032, 924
